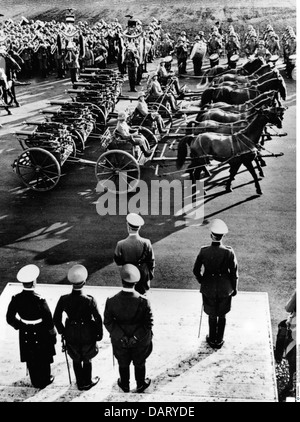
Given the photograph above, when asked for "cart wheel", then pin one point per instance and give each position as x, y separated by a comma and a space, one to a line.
78, 139
162, 110
151, 138
119, 167
101, 119
38, 169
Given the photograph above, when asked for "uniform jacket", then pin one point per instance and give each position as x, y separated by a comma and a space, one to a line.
128, 314
216, 269
36, 341
131, 249
81, 310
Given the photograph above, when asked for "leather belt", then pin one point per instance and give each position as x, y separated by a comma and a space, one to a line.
32, 322
78, 322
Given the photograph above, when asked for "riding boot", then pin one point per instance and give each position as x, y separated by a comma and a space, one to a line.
77, 366
220, 332
211, 338
87, 373
88, 381
123, 381
140, 373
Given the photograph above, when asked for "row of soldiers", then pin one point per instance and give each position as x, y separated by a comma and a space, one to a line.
41, 47
127, 315
218, 42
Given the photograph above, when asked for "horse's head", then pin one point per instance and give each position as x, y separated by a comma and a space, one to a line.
274, 115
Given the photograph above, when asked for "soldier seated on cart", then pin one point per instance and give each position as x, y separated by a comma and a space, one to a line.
165, 76
143, 116
125, 132
157, 94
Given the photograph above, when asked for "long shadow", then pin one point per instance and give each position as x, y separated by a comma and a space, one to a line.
250, 198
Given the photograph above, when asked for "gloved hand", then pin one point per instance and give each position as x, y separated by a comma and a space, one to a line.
234, 293
124, 341
132, 341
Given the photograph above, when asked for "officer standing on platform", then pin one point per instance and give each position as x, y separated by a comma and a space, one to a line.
138, 251
129, 320
29, 313
218, 281
82, 328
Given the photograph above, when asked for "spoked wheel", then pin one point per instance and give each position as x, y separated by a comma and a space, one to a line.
117, 171
78, 139
151, 138
38, 169
162, 110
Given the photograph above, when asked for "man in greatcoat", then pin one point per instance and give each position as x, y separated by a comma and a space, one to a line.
29, 313
82, 327
216, 269
136, 250
129, 320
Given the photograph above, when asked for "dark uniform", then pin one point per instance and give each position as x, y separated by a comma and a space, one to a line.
128, 318
82, 328
218, 281
132, 62
138, 251
37, 335
214, 47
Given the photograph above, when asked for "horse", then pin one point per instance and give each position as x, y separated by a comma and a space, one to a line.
195, 128
237, 149
261, 99
247, 69
273, 73
241, 95
223, 116
228, 116
266, 68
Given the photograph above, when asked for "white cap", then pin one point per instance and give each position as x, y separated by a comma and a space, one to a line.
130, 273
28, 273
218, 227
77, 274
135, 220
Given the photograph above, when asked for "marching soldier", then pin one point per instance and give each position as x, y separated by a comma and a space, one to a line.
216, 269
197, 54
214, 47
132, 62
262, 51
251, 46
181, 50
29, 313
82, 328
290, 52
273, 44
129, 320
232, 48
138, 251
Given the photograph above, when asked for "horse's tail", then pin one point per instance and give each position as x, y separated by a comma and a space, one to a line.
182, 150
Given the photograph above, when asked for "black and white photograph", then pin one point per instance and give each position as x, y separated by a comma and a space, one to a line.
148, 204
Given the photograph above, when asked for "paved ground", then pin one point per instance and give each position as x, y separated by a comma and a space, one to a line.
59, 228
